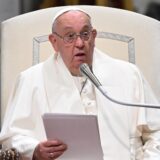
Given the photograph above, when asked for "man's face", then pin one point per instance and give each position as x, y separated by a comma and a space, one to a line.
81, 49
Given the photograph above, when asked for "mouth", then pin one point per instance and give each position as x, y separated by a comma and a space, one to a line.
80, 56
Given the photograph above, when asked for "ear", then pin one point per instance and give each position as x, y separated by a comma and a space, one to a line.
94, 33
53, 41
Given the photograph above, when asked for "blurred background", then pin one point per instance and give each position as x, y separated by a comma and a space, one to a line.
11, 8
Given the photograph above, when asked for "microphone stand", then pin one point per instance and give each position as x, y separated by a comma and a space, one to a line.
101, 89
85, 70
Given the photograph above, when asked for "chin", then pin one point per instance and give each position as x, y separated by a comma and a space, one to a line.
77, 65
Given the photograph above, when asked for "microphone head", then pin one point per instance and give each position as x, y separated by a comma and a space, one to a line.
84, 69
86, 72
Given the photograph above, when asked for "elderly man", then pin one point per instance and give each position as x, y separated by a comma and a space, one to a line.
56, 86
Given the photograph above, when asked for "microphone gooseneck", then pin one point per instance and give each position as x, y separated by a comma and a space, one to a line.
85, 71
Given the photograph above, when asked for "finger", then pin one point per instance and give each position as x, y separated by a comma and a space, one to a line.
55, 155
43, 152
50, 143
62, 147
40, 153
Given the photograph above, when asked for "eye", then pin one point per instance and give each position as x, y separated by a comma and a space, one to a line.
85, 34
70, 35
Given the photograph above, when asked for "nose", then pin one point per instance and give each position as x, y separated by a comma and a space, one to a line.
79, 42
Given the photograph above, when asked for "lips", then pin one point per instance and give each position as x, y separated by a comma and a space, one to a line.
80, 54
80, 57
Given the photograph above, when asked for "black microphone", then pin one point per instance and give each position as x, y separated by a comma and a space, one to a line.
85, 71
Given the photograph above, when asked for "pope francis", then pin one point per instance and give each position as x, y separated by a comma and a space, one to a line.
57, 86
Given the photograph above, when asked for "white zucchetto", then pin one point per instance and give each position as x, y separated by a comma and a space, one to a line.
66, 9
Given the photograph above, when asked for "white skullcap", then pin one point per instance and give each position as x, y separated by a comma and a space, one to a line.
66, 9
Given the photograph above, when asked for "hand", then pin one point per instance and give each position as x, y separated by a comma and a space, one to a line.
49, 150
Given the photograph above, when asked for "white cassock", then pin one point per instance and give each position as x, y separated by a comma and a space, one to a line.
126, 132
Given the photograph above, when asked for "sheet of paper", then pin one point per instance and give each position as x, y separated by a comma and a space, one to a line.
79, 132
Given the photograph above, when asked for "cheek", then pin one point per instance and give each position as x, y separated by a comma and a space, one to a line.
66, 54
59, 46
93, 42
90, 51
91, 47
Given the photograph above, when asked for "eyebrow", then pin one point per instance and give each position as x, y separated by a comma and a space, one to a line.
84, 27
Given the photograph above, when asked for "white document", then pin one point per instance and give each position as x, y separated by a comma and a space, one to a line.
79, 132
